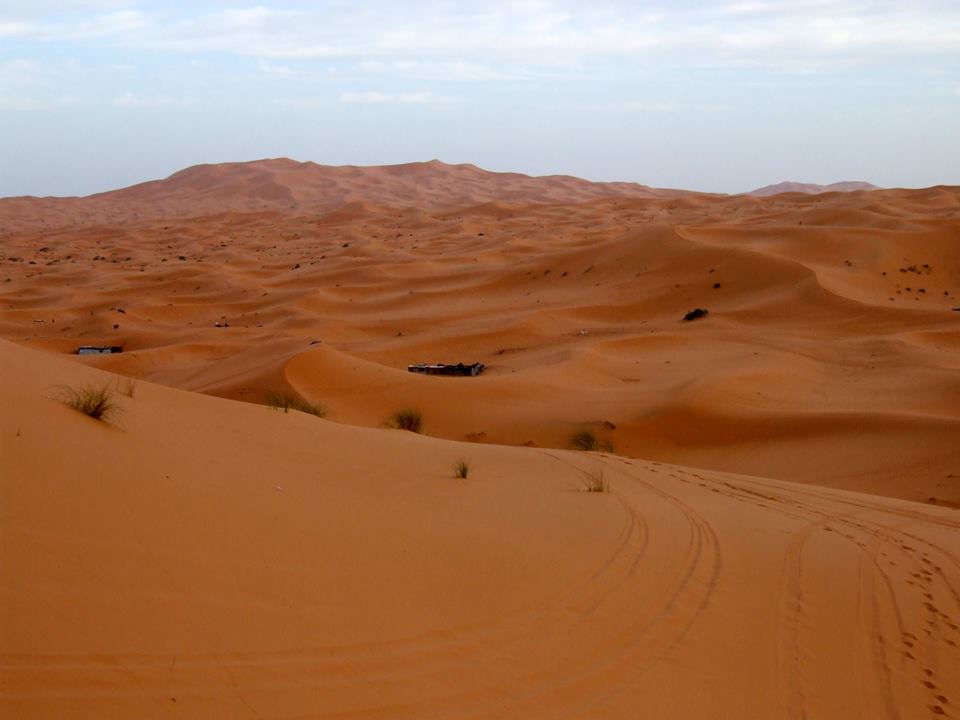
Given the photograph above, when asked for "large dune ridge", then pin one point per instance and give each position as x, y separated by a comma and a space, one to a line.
298, 187
779, 536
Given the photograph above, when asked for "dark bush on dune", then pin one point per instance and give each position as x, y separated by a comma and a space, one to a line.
588, 442
408, 419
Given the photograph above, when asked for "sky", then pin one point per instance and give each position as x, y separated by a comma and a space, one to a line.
721, 96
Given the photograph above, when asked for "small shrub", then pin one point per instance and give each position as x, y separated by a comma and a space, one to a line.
595, 482
127, 387
461, 470
408, 419
279, 401
584, 440
587, 441
95, 402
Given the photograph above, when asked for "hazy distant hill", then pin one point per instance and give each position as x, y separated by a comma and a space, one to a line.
286, 184
811, 188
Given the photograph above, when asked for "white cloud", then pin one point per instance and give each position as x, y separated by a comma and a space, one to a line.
301, 103
22, 85
22, 104
132, 100
450, 37
646, 106
116, 25
376, 97
443, 70
270, 68
748, 8
28, 85
14, 28
457, 41
18, 69
38, 9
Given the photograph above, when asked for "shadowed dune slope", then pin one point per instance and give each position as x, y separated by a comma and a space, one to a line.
198, 557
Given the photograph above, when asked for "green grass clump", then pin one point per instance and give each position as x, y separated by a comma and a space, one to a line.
595, 482
279, 401
96, 402
408, 419
587, 441
461, 469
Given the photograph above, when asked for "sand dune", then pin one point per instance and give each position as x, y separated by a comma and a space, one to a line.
295, 187
829, 355
780, 535
200, 557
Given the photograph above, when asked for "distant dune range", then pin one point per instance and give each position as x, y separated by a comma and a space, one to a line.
830, 354
811, 188
779, 537
287, 185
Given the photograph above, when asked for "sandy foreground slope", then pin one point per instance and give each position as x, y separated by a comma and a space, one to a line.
830, 355
199, 557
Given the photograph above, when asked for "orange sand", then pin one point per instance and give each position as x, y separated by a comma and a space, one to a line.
201, 557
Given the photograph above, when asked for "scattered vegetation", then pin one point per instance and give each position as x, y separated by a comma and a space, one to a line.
583, 440
127, 387
587, 441
924, 269
461, 469
595, 482
696, 314
408, 419
96, 402
280, 401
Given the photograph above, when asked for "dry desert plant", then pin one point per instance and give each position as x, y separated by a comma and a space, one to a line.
127, 387
408, 419
586, 440
96, 402
279, 401
595, 482
461, 469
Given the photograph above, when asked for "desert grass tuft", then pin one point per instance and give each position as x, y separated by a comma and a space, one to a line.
408, 419
461, 469
127, 387
279, 401
587, 441
595, 482
96, 402
583, 440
